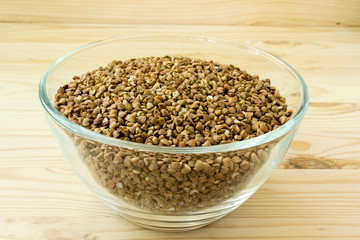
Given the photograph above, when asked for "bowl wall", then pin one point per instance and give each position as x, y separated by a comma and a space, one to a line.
166, 188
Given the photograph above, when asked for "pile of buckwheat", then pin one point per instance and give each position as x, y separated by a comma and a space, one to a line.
176, 102
173, 101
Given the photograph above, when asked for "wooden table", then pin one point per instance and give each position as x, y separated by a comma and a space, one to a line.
314, 193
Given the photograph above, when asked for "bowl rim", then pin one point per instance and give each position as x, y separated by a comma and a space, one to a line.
233, 146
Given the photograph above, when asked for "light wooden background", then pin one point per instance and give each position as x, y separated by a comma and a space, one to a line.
314, 193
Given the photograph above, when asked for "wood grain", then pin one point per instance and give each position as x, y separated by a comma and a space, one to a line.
42, 198
328, 136
202, 12
52, 203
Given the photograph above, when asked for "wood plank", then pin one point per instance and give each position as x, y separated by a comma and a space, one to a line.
202, 12
318, 144
52, 203
327, 138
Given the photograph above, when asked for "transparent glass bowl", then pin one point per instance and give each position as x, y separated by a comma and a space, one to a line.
172, 188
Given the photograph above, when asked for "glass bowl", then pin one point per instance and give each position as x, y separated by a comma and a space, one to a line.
172, 188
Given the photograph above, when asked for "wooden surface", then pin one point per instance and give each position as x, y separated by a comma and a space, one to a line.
200, 12
314, 193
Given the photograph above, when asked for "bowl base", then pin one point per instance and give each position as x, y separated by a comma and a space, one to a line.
167, 223
173, 226
173, 223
